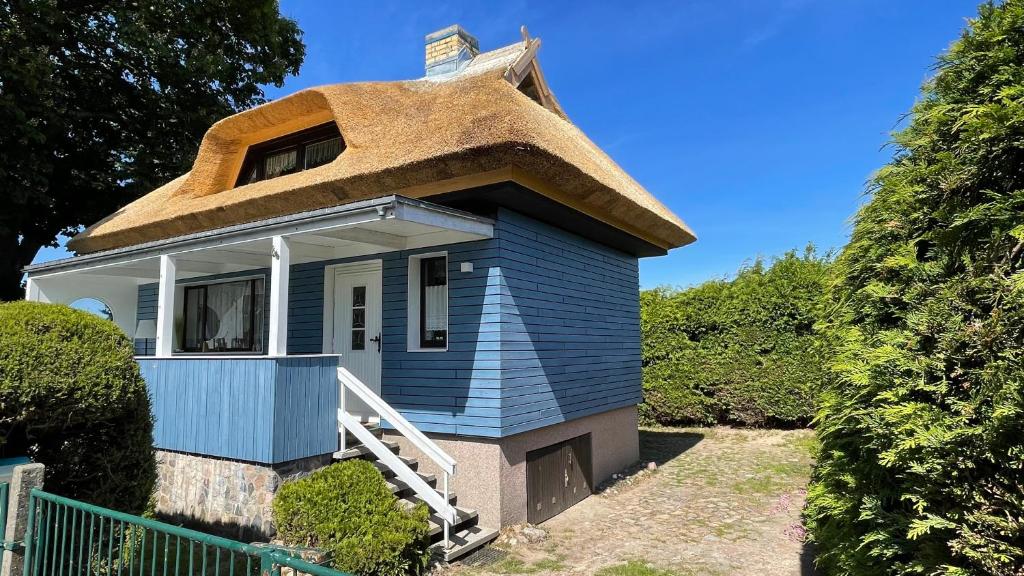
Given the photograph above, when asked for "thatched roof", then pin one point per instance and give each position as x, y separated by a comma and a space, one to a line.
414, 138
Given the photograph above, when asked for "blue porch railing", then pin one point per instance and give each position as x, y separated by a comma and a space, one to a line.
70, 538
256, 408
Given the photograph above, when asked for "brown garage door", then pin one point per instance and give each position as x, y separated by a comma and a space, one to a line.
557, 477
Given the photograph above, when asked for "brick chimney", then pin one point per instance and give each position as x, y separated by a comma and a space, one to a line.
449, 49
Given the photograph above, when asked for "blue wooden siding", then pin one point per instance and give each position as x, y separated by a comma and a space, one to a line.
569, 318
265, 410
436, 391
545, 329
453, 391
146, 311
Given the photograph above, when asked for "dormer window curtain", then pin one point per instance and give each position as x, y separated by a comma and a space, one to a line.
292, 153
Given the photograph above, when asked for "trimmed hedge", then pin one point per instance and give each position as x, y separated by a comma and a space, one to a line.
921, 468
348, 509
741, 351
72, 398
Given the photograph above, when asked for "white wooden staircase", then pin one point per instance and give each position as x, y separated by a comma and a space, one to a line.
454, 531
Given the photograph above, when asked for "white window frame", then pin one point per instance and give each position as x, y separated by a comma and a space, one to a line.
413, 302
179, 312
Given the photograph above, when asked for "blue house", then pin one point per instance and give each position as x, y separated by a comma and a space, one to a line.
439, 275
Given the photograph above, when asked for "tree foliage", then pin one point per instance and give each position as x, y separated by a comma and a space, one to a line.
736, 351
101, 102
922, 430
71, 397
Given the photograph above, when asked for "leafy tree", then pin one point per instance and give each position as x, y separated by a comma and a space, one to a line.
922, 459
740, 351
101, 102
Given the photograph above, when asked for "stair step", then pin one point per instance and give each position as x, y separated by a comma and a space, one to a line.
463, 516
412, 500
363, 450
398, 486
466, 541
372, 427
412, 463
415, 499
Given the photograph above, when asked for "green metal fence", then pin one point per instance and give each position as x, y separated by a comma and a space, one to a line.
66, 537
5, 490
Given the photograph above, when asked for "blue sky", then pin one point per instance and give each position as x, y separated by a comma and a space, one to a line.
757, 121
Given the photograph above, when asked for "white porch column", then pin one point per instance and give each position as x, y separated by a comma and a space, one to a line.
31, 290
279, 270
165, 307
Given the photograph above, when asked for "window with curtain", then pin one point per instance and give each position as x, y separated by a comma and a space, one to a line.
434, 302
224, 317
279, 164
292, 153
320, 153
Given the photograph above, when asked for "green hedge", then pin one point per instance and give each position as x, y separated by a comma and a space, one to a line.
72, 398
922, 431
348, 510
740, 351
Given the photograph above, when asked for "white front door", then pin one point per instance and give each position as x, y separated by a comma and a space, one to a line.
357, 323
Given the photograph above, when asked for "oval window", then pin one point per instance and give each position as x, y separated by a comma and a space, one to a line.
93, 306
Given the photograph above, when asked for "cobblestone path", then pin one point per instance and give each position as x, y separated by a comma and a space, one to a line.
721, 502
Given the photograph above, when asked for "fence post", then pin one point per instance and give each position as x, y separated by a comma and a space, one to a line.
26, 477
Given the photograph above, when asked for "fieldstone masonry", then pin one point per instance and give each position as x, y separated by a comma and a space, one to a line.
230, 497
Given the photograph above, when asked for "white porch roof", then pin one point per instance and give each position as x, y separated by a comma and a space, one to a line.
361, 228
366, 227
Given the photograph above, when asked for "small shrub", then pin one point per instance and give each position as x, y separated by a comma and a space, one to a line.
71, 397
348, 510
742, 351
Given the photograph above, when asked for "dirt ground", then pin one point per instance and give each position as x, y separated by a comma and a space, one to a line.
720, 502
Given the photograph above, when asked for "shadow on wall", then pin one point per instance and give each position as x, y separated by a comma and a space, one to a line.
661, 446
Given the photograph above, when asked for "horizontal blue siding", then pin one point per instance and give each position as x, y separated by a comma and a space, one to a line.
569, 322
265, 410
545, 329
146, 311
445, 392
431, 389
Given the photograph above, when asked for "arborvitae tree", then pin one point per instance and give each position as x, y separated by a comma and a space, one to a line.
740, 351
922, 462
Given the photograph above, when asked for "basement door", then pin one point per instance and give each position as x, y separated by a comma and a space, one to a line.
357, 328
557, 477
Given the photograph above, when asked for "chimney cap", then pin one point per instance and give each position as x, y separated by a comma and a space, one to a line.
452, 31
449, 50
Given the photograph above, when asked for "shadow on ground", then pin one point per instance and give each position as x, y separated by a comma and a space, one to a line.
807, 555
661, 446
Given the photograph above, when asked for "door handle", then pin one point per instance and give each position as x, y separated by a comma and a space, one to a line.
377, 340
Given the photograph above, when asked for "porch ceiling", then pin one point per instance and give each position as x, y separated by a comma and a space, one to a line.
363, 228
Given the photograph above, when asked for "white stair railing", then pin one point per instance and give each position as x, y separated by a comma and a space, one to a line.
441, 504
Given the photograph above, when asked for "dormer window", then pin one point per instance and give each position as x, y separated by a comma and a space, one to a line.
292, 153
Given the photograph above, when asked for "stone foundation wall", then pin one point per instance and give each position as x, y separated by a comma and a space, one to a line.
227, 497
